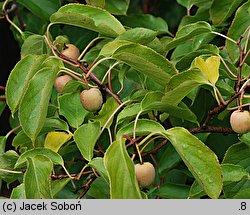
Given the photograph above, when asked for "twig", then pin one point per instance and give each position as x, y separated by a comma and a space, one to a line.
87, 186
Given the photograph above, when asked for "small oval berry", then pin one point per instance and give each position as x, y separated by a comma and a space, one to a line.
145, 174
240, 121
61, 81
71, 51
91, 99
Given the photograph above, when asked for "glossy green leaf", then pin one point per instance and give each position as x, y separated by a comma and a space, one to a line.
86, 137
152, 101
37, 181
188, 32
200, 160
182, 84
107, 110
34, 105
149, 21
99, 189
233, 173
238, 154
185, 3
142, 59
55, 139
237, 190
2, 106
7, 162
138, 35
98, 165
53, 156
239, 25
97, 3
19, 79
2, 144
173, 191
18, 192
89, 17
129, 112
120, 168
143, 127
58, 185
71, 108
42, 9
220, 11
168, 159
34, 44
245, 138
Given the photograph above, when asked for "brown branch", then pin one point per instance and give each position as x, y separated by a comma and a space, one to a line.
2, 99
211, 129
74, 176
2, 88
87, 186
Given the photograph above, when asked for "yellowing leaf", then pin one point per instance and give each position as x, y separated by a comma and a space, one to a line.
55, 139
210, 67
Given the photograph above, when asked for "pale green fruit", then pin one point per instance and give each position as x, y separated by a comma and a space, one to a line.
145, 174
240, 121
71, 51
61, 81
91, 99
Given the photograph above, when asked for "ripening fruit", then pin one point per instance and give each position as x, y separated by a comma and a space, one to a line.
71, 51
145, 174
61, 81
91, 99
240, 121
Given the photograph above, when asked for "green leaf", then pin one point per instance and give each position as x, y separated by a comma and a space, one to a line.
173, 191
97, 3
2, 106
117, 7
107, 110
18, 192
58, 185
2, 144
238, 154
86, 137
37, 181
42, 9
19, 79
99, 189
98, 165
34, 105
149, 21
142, 59
188, 32
168, 159
7, 162
200, 160
34, 44
143, 127
220, 11
71, 108
53, 156
236, 190
245, 138
182, 84
120, 168
233, 173
92, 18
128, 112
55, 139
138, 35
210, 67
185, 3
152, 101
239, 25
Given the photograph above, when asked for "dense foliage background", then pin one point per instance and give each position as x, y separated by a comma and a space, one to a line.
171, 72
